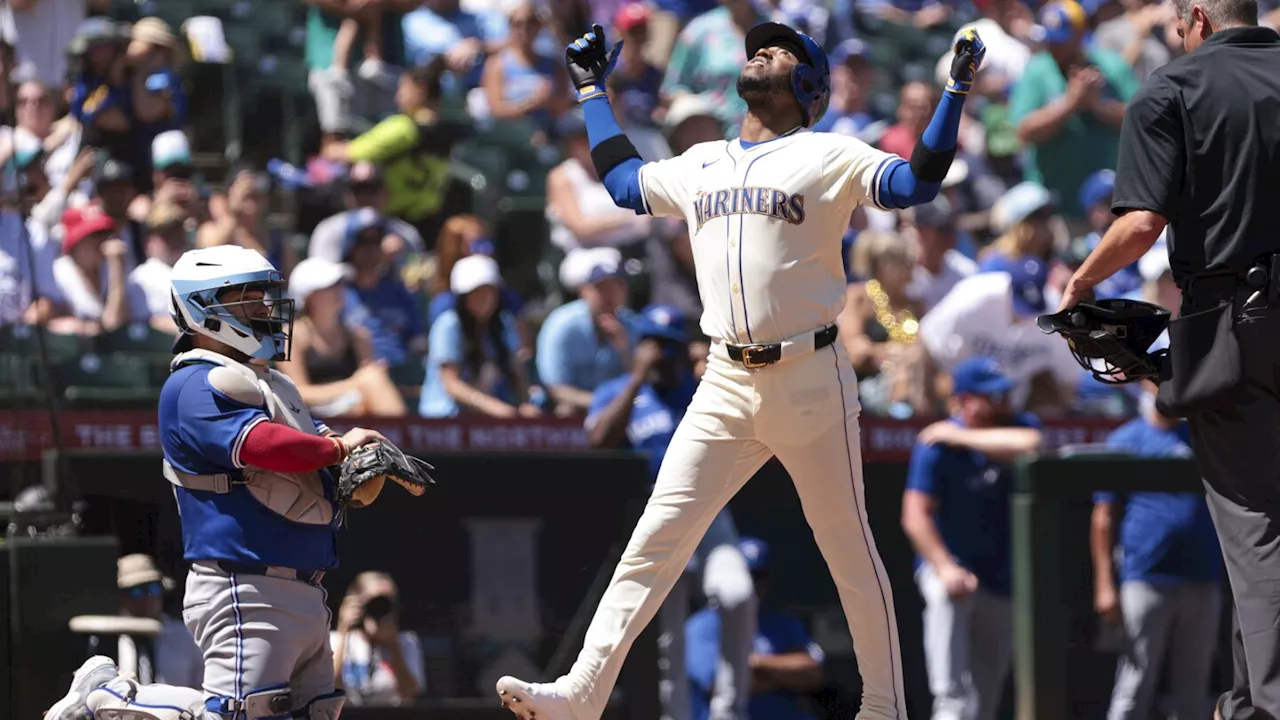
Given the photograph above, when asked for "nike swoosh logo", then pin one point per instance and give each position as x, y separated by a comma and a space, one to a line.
709, 162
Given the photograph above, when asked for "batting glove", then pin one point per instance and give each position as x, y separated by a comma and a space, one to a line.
969, 50
589, 64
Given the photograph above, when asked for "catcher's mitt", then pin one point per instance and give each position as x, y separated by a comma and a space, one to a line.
367, 469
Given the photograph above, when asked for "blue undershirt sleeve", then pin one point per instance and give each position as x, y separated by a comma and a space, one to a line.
623, 181
899, 187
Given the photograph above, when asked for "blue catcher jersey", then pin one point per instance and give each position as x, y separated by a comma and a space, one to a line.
201, 432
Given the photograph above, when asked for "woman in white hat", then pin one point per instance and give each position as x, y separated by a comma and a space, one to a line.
472, 361
331, 362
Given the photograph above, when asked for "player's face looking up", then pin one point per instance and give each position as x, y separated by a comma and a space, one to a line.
766, 78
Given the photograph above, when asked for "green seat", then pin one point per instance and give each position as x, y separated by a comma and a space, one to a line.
112, 379
411, 373
24, 340
17, 381
138, 337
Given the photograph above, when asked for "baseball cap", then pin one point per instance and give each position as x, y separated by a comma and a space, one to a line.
474, 271
1027, 277
688, 106
661, 321
1097, 188
113, 171
935, 214
1019, 203
850, 49
590, 265
357, 222
756, 551
80, 223
979, 376
170, 148
1060, 21
630, 16
315, 274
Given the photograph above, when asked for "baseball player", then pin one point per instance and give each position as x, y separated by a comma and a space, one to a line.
259, 510
766, 212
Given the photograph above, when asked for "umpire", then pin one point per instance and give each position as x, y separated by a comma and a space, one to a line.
1200, 153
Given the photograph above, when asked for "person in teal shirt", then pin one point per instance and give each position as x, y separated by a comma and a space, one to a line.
709, 55
1069, 105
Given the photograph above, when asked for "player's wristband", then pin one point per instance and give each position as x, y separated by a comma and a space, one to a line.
586, 92
959, 86
343, 451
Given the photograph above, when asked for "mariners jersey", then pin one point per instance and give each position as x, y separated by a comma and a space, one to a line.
201, 432
765, 222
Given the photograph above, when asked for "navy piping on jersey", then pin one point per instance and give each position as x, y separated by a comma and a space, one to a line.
742, 281
748, 145
867, 542
885, 168
728, 268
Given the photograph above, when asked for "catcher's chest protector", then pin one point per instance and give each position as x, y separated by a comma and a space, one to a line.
297, 496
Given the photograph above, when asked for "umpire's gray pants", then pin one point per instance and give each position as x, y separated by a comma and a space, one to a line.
1181, 620
968, 648
727, 583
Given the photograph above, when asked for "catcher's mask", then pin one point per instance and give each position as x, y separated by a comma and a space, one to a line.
1110, 338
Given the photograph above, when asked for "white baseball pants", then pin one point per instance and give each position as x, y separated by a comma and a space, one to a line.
804, 411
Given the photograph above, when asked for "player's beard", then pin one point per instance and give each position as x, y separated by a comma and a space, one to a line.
762, 91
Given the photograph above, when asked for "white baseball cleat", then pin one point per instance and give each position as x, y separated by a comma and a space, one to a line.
534, 701
94, 673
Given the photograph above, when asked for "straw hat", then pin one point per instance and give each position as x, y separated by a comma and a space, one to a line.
139, 569
154, 31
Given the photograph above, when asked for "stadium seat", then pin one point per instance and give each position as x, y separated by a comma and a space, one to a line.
409, 377
17, 381
105, 379
23, 339
136, 338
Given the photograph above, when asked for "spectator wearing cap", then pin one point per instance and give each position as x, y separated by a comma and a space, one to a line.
580, 210
1024, 217
955, 512
1157, 569
150, 292
377, 299
463, 236
366, 188
239, 218
100, 99
41, 30
29, 292
584, 343
708, 56
939, 265
155, 56
1069, 105
331, 362
176, 659
472, 363
1132, 34
114, 190
786, 664
413, 147
91, 274
634, 83
916, 101
519, 82
640, 410
879, 323
852, 77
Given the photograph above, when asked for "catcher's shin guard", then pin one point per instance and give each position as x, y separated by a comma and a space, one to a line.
124, 699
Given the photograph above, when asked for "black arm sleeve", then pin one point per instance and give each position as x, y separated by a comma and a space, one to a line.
1152, 164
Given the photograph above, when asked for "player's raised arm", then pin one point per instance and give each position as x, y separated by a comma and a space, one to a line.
616, 160
903, 184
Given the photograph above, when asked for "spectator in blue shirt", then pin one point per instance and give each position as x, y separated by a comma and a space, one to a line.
641, 410
1170, 576
100, 93
442, 27
377, 299
786, 664
471, 362
584, 343
955, 511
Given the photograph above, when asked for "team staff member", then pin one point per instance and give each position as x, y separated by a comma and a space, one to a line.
956, 513
1198, 153
1170, 595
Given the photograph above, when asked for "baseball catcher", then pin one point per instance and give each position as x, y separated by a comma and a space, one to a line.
262, 488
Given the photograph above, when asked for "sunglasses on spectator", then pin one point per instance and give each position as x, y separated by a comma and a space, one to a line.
145, 590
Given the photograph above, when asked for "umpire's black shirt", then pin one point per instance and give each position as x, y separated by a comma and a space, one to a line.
1200, 146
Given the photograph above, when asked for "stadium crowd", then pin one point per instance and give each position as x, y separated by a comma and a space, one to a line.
425, 286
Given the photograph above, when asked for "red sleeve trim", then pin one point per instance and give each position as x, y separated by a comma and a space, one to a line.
272, 446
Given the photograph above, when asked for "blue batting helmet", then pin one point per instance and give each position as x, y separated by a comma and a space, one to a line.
811, 79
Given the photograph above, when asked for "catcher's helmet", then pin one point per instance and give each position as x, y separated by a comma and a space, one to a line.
201, 276
1110, 338
811, 78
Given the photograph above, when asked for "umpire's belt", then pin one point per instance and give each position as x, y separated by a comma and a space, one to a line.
310, 577
760, 355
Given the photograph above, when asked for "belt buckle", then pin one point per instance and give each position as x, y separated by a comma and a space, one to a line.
747, 352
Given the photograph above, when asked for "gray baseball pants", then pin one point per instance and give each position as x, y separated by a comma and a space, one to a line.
968, 649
